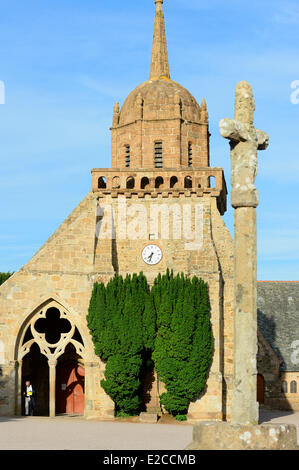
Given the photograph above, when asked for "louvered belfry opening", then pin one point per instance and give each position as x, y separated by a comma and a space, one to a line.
158, 155
128, 155
190, 154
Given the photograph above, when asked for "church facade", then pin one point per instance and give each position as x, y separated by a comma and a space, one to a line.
159, 206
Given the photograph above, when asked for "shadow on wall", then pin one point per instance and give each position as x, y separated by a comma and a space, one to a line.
267, 326
281, 391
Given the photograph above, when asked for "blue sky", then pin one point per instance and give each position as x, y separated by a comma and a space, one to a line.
64, 64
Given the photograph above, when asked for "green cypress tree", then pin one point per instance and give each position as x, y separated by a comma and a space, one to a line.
4, 277
184, 344
117, 323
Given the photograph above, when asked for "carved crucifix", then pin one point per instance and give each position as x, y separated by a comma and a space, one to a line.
245, 141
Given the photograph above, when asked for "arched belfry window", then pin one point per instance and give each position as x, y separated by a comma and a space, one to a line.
188, 182
158, 154
159, 182
130, 182
190, 154
144, 182
102, 183
128, 155
173, 181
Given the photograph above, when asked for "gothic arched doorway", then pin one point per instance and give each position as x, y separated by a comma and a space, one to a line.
260, 389
50, 347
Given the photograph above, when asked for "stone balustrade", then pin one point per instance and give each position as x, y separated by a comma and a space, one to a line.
167, 182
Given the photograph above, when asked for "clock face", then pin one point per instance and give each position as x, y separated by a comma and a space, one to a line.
152, 254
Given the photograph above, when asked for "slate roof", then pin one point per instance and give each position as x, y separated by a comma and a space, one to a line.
278, 319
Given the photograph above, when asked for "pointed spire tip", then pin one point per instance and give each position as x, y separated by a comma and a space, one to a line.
159, 62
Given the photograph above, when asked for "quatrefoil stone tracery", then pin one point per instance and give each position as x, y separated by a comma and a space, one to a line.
38, 329
52, 325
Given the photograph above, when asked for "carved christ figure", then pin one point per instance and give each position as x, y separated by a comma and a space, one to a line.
245, 141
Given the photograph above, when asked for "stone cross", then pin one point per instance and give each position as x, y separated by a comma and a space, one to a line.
245, 141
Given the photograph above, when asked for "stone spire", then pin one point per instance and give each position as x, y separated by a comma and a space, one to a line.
159, 63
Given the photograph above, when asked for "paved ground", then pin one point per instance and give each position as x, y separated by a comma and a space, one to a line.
283, 417
76, 433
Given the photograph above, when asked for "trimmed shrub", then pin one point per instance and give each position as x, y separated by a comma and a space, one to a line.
121, 333
184, 343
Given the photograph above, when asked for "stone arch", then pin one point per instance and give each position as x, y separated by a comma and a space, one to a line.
173, 181
159, 181
40, 312
212, 184
32, 335
188, 182
130, 182
145, 182
102, 182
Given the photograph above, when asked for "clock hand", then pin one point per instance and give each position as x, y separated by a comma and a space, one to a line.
150, 257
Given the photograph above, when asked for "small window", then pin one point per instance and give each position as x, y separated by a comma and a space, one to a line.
212, 182
159, 182
128, 155
144, 182
158, 155
102, 183
293, 386
190, 154
130, 182
188, 182
284, 386
173, 181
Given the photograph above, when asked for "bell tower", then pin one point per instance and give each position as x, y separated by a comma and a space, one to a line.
160, 124
160, 137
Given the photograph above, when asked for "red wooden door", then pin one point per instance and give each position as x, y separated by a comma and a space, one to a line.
260, 389
70, 389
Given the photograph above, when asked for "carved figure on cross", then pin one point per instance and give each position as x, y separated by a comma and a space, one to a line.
245, 141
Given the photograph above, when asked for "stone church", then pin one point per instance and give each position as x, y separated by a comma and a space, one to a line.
159, 206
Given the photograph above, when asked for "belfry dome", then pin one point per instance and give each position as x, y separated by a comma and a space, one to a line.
160, 97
